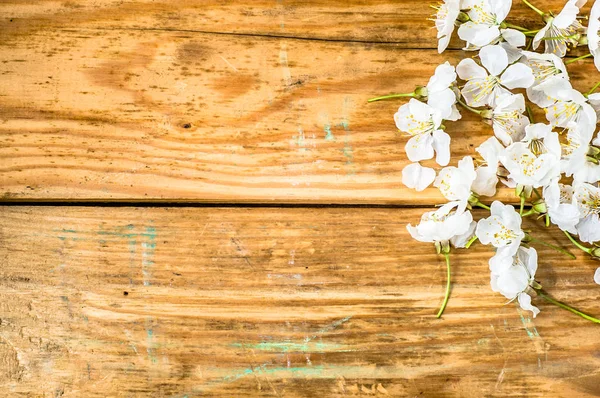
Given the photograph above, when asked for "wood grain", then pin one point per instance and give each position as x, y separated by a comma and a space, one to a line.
216, 101
175, 302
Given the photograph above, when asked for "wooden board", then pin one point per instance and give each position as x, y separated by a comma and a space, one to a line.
217, 102
176, 302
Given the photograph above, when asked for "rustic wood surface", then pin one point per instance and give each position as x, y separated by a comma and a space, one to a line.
217, 101
175, 302
220, 101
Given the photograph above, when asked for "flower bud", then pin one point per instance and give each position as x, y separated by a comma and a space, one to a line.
540, 207
421, 93
463, 17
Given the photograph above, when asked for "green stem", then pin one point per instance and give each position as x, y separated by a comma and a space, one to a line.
579, 245
531, 32
469, 243
528, 212
577, 59
560, 37
522, 204
558, 249
384, 97
468, 107
566, 307
593, 89
517, 27
482, 205
447, 296
529, 113
534, 8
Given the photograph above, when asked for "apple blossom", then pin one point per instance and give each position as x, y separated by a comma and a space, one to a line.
502, 229
445, 18
455, 182
486, 24
508, 120
535, 161
560, 206
544, 67
561, 30
440, 94
423, 122
576, 160
514, 276
587, 198
487, 89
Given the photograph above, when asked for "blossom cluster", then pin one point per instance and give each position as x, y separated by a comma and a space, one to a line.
552, 165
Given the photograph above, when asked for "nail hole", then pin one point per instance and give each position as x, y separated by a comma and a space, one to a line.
187, 125
125, 293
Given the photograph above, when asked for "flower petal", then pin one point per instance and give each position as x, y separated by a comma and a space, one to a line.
478, 34
494, 59
517, 76
513, 37
419, 147
597, 276
525, 303
468, 69
441, 145
417, 177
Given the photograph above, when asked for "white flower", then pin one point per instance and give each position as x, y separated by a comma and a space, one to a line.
535, 161
597, 276
423, 122
575, 161
442, 225
502, 229
483, 89
560, 206
587, 198
417, 177
445, 17
544, 67
508, 121
440, 94
487, 175
559, 30
455, 182
592, 33
514, 275
570, 108
485, 25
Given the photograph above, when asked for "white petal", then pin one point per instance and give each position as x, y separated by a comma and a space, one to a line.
443, 77
417, 177
486, 181
441, 145
597, 276
517, 76
567, 15
478, 34
589, 229
468, 69
525, 303
513, 37
537, 39
500, 8
443, 101
419, 147
494, 59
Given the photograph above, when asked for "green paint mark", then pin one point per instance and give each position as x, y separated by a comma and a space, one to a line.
147, 254
527, 322
328, 134
288, 346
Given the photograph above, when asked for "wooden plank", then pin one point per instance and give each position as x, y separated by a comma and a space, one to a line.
91, 111
178, 302
404, 23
